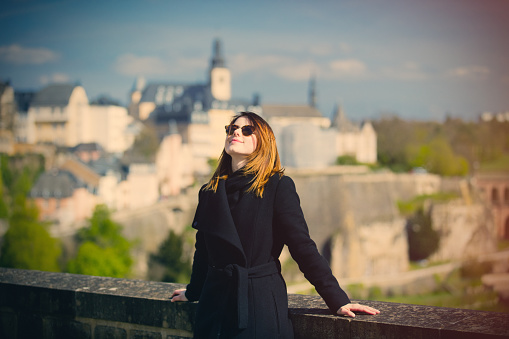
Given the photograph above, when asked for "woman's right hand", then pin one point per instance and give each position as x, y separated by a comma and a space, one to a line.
179, 295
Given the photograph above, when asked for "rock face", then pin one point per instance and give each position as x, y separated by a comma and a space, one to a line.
466, 230
354, 218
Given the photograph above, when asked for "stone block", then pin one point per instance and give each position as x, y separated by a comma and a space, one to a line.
139, 334
62, 327
108, 332
29, 326
8, 324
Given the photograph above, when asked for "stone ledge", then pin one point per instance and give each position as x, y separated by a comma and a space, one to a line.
54, 303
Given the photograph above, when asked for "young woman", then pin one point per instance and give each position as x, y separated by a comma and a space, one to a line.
246, 213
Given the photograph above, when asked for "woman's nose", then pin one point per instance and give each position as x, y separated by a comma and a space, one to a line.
237, 132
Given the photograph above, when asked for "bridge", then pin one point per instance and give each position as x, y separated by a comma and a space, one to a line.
35, 304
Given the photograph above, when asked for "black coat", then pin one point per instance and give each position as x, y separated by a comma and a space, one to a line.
236, 272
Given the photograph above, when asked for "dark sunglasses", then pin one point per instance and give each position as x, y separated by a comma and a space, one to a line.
247, 130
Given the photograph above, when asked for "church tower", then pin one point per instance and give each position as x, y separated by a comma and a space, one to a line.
312, 92
219, 77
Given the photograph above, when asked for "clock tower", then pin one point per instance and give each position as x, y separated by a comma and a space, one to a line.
219, 77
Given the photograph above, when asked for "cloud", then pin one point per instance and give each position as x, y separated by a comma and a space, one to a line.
407, 71
346, 68
16, 54
55, 77
470, 72
132, 65
282, 66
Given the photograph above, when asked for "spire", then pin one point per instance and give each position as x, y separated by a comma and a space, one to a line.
217, 55
341, 122
312, 91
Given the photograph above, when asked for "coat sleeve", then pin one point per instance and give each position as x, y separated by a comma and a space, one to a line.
200, 268
200, 264
291, 227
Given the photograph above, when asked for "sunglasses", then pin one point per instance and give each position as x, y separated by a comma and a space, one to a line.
247, 130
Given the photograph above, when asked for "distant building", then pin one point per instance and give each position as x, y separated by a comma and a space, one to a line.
494, 190
302, 134
198, 111
307, 139
7, 106
7, 113
60, 114
62, 198
358, 141
23, 100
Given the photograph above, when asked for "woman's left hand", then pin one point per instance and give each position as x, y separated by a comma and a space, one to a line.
348, 310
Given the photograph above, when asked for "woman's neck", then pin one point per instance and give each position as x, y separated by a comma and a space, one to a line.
238, 164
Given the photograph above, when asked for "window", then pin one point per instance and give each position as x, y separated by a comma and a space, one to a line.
494, 196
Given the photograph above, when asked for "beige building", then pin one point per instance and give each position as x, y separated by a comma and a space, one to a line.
307, 139
197, 112
61, 114
358, 141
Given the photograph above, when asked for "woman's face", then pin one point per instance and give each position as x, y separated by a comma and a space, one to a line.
237, 145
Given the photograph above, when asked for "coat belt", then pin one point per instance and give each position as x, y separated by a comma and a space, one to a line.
238, 277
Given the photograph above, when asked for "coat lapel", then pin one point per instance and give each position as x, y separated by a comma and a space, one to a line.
214, 217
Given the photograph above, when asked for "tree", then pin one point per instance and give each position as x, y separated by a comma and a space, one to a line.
170, 256
103, 250
27, 244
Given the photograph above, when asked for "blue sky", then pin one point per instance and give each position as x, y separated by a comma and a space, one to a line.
418, 59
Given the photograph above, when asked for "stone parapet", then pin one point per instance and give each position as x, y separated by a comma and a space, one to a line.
36, 304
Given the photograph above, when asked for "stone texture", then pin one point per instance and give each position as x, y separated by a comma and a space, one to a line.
138, 334
129, 304
8, 324
108, 332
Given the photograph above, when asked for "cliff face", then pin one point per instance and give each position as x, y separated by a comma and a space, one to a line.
355, 222
466, 230
353, 219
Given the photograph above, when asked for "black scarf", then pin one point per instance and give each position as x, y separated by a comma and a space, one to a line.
236, 185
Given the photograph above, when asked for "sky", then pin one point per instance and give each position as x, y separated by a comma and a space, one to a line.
421, 60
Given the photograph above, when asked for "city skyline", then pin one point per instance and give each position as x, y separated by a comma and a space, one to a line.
420, 60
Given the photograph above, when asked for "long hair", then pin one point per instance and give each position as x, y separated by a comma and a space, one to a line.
261, 164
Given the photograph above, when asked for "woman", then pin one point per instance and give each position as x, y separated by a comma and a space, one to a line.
246, 213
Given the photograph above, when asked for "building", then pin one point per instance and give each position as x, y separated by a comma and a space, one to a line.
7, 106
198, 111
61, 114
494, 190
307, 139
63, 199
358, 141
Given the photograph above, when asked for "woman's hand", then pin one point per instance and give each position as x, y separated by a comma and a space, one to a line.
348, 310
179, 295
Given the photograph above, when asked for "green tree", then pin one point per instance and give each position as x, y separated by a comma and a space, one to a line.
145, 145
346, 160
103, 250
27, 244
177, 268
437, 157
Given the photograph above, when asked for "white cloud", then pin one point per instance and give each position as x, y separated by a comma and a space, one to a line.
132, 65
55, 77
407, 71
243, 63
470, 72
282, 66
346, 67
16, 54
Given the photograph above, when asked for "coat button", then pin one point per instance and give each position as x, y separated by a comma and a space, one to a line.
195, 223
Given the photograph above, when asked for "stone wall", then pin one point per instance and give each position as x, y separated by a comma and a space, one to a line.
466, 230
36, 304
354, 219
